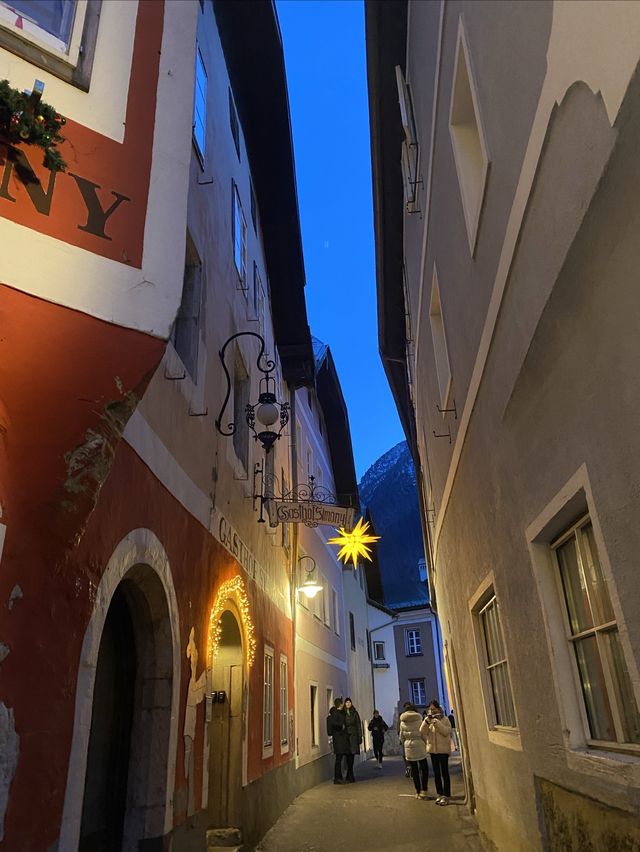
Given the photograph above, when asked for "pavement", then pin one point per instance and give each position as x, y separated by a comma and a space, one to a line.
379, 813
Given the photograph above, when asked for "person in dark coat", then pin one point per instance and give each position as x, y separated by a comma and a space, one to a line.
339, 739
378, 728
353, 728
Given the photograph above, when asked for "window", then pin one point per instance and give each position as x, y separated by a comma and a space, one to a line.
418, 691
352, 631
200, 105
413, 643
495, 663
378, 651
233, 121
440, 351
326, 605
409, 159
284, 701
313, 698
240, 401
57, 35
239, 239
368, 645
267, 706
592, 631
258, 298
49, 20
336, 612
254, 206
186, 329
467, 138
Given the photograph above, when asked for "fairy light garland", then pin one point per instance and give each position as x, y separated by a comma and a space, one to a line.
235, 589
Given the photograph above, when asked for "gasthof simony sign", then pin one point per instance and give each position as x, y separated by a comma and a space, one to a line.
310, 513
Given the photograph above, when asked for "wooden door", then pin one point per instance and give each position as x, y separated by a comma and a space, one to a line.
225, 756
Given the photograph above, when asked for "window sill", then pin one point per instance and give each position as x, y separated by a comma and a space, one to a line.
506, 737
419, 654
615, 766
267, 751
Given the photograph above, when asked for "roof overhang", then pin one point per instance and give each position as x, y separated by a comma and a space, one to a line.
253, 50
386, 30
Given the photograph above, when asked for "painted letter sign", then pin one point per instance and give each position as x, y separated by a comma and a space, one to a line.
309, 513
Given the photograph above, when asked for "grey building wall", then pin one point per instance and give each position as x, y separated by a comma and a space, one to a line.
418, 666
541, 322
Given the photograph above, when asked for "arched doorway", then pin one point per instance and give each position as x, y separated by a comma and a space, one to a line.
226, 725
124, 791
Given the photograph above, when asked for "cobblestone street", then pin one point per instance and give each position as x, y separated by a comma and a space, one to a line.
378, 812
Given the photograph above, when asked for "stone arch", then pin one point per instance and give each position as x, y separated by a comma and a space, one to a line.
141, 561
232, 591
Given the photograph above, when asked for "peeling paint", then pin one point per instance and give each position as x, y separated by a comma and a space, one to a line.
9, 751
16, 595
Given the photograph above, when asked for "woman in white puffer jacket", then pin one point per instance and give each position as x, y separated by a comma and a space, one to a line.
415, 748
436, 729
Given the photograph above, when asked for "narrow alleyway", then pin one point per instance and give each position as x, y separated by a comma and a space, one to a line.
379, 812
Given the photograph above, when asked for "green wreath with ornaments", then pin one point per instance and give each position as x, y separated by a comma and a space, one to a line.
25, 119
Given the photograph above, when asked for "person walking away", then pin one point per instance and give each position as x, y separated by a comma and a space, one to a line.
437, 729
353, 729
415, 748
378, 728
339, 739
454, 733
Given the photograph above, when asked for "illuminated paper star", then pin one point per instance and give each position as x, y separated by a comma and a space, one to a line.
354, 543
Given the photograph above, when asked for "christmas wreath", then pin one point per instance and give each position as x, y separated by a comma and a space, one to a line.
25, 119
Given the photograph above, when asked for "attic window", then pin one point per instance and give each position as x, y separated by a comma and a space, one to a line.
467, 138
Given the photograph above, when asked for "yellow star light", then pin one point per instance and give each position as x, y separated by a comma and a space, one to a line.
354, 543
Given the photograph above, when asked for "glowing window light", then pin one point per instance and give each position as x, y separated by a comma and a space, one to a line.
353, 544
235, 590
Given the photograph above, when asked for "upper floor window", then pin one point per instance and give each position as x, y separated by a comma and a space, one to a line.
378, 651
284, 701
241, 387
186, 329
352, 631
467, 137
335, 611
440, 349
239, 238
235, 126
57, 35
200, 105
258, 298
592, 632
413, 643
418, 690
254, 206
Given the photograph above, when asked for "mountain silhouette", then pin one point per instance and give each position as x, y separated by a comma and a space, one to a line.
388, 491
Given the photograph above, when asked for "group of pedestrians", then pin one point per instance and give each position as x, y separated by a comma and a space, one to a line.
429, 736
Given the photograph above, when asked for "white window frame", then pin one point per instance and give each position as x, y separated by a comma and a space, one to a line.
611, 745
575, 497
237, 218
336, 610
283, 713
313, 715
460, 139
378, 645
31, 33
409, 641
439, 339
418, 681
498, 734
267, 702
326, 605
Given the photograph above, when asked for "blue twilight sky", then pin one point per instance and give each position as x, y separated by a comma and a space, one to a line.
324, 48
